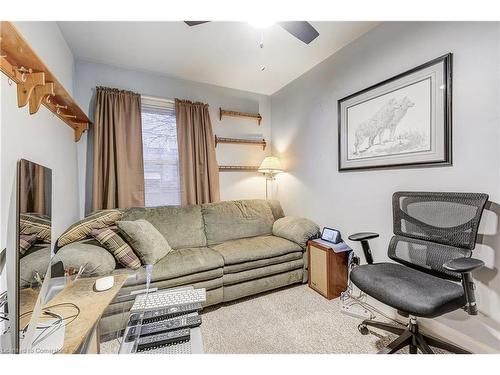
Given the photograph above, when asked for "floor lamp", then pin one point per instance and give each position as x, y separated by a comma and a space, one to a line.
270, 166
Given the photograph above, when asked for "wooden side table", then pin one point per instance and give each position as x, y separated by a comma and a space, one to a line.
327, 269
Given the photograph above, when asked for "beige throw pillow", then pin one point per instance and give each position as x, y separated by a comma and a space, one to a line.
82, 229
37, 224
147, 242
113, 242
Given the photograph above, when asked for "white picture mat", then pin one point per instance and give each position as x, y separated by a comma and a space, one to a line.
412, 85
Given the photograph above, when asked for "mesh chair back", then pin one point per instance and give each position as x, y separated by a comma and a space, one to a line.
432, 228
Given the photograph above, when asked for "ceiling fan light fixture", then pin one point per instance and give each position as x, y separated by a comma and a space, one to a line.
261, 23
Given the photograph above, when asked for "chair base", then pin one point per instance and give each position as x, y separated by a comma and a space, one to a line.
411, 337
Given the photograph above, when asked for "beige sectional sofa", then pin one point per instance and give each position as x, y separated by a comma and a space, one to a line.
226, 247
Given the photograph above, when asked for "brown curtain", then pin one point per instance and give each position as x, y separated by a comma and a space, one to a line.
118, 175
32, 185
198, 169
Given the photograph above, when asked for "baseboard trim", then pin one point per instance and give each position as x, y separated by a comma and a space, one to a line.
444, 332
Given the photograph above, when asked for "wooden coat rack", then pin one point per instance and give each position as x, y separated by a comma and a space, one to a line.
238, 168
241, 141
36, 85
253, 116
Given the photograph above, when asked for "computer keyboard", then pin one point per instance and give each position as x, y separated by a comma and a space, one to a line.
159, 300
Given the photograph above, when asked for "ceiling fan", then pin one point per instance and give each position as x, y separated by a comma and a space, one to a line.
302, 30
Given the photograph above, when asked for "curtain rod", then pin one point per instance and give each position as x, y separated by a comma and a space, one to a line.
157, 99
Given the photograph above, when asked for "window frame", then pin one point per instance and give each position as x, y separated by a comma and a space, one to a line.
160, 104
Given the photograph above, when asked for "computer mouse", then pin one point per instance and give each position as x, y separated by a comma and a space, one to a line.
104, 283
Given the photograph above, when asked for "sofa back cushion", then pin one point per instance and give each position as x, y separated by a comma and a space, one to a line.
181, 226
276, 208
231, 220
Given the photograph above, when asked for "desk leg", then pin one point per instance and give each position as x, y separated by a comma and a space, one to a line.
98, 339
92, 344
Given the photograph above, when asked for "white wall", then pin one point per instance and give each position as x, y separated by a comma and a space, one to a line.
304, 132
234, 185
41, 138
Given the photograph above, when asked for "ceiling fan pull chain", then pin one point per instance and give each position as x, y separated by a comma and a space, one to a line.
261, 48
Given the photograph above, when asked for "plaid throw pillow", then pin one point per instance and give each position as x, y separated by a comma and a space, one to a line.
81, 229
112, 241
37, 224
25, 242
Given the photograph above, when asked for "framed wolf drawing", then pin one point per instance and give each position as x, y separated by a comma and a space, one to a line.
404, 121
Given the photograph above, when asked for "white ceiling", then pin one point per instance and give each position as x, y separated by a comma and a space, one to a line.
220, 53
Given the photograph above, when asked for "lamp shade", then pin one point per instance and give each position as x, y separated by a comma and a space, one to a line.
271, 164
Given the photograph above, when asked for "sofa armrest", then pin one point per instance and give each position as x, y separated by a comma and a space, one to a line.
96, 259
296, 229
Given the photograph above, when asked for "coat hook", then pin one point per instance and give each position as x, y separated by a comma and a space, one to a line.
59, 108
9, 81
23, 71
47, 99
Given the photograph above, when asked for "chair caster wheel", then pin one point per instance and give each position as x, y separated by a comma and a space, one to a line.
363, 329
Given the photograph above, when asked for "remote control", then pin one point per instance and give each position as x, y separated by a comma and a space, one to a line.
163, 325
161, 314
169, 337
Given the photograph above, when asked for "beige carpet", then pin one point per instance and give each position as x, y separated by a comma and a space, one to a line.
290, 320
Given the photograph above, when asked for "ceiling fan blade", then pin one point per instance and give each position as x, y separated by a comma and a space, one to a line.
302, 30
194, 23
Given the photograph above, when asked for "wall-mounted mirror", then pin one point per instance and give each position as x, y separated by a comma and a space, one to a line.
34, 227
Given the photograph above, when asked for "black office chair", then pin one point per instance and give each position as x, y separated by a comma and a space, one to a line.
434, 235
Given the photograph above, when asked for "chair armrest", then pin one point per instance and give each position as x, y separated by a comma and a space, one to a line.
463, 265
362, 236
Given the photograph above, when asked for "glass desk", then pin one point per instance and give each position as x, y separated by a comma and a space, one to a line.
130, 324
66, 319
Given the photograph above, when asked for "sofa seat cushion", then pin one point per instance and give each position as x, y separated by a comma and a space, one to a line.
254, 248
234, 268
248, 288
182, 262
258, 273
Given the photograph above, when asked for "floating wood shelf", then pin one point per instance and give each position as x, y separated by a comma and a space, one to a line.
241, 141
237, 168
36, 85
227, 113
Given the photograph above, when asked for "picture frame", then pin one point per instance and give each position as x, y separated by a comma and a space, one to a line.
402, 122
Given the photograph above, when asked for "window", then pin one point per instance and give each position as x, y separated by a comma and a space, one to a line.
161, 159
